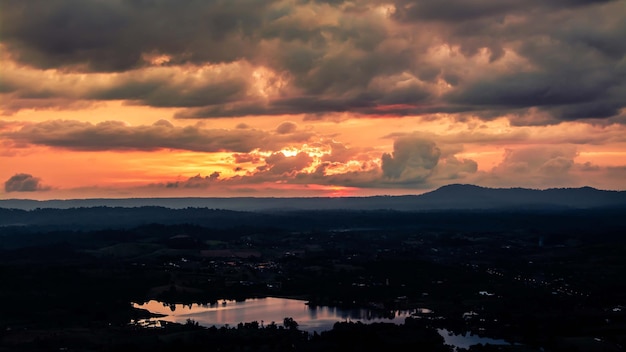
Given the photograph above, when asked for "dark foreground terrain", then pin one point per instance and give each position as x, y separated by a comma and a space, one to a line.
545, 280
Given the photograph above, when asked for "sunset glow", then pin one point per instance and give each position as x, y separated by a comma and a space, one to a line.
291, 98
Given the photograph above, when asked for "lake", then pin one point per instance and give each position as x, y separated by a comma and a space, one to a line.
273, 309
265, 310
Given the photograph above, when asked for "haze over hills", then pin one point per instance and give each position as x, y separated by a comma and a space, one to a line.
451, 197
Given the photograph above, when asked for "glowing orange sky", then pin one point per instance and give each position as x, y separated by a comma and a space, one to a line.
309, 100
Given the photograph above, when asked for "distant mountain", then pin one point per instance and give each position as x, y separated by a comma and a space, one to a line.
451, 197
475, 197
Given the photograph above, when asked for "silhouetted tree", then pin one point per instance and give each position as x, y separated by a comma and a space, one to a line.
290, 324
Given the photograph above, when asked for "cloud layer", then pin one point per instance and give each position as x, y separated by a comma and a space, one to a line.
246, 58
116, 135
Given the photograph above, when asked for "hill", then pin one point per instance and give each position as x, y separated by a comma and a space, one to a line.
451, 197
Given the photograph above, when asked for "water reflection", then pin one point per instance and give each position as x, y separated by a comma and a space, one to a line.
467, 339
271, 309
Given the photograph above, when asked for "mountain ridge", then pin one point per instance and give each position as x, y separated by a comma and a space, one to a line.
449, 197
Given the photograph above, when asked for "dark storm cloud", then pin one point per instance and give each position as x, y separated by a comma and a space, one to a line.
329, 56
114, 35
450, 10
574, 67
463, 10
323, 60
24, 183
564, 95
528, 89
288, 106
366, 103
115, 135
156, 86
162, 92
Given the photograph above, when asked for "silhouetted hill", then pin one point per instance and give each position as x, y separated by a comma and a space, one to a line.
475, 197
451, 197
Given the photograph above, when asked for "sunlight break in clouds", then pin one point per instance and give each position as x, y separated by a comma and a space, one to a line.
283, 97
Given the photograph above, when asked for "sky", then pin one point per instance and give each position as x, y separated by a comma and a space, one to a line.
290, 98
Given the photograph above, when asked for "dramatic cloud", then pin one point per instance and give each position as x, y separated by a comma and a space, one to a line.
468, 10
389, 95
490, 58
413, 163
118, 35
24, 183
116, 135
